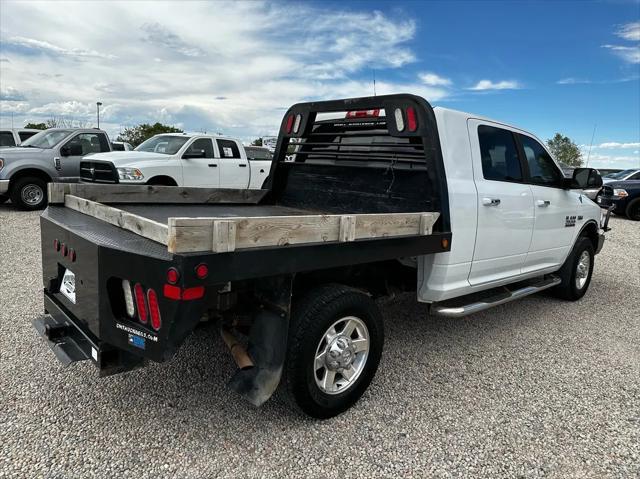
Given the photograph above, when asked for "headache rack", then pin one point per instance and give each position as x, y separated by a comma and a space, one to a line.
333, 180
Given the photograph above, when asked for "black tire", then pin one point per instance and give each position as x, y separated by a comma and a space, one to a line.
633, 210
29, 187
569, 289
310, 320
3, 198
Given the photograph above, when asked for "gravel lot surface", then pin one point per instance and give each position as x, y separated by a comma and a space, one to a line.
535, 388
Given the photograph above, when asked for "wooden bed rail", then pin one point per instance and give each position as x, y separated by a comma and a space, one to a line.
221, 235
152, 194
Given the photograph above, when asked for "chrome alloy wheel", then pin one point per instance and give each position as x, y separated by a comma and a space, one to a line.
582, 270
32, 194
341, 355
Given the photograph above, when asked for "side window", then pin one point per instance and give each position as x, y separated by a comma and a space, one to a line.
635, 177
6, 139
228, 149
542, 170
26, 134
90, 143
202, 144
499, 154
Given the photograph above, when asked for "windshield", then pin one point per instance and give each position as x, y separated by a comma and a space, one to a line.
46, 138
167, 144
619, 174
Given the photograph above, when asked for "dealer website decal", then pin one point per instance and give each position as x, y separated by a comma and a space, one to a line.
142, 334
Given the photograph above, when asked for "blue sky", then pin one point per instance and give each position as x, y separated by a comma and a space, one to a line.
233, 67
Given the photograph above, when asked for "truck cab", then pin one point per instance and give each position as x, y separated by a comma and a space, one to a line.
180, 159
49, 155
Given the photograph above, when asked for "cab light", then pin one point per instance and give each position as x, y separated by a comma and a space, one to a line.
142, 308
64, 249
56, 245
72, 255
296, 124
412, 120
128, 298
202, 271
289, 125
154, 309
399, 119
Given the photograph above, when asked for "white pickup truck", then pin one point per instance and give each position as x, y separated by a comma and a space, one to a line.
179, 159
381, 194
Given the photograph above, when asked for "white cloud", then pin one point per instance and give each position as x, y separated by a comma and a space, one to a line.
432, 79
573, 81
144, 65
628, 54
11, 94
630, 31
615, 144
612, 161
484, 85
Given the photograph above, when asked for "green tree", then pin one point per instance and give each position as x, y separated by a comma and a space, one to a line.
565, 150
137, 134
257, 142
36, 126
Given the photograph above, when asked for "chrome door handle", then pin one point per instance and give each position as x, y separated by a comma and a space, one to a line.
543, 203
490, 201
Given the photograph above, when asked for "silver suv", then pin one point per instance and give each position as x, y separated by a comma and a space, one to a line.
51, 155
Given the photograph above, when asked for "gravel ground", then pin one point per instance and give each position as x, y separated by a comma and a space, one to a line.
534, 388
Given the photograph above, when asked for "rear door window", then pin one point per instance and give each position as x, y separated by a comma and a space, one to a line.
499, 154
635, 177
228, 149
542, 169
6, 139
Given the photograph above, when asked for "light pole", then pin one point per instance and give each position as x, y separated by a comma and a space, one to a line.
98, 105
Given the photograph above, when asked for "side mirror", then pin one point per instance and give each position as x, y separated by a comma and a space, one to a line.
584, 178
194, 154
72, 149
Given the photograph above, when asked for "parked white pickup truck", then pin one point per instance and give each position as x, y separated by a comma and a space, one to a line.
179, 159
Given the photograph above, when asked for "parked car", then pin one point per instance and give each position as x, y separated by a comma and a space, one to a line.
179, 159
467, 212
631, 174
624, 196
121, 146
14, 136
49, 155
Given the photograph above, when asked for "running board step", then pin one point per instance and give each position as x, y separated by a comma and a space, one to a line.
473, 303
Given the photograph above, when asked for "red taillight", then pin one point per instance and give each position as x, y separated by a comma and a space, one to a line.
142, 308
154, 309
412, 119
56, 245
72, 255
172, 276
172, 292
64, 249
193, 293
290, 119
202, 271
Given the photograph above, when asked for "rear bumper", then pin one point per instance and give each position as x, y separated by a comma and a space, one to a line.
4, 187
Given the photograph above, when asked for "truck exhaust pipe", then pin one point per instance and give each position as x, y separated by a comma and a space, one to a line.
236, 349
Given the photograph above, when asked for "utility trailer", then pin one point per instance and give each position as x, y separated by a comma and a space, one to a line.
130, 271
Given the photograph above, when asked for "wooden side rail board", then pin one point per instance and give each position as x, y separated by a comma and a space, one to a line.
152, 194
228, 234
142, 226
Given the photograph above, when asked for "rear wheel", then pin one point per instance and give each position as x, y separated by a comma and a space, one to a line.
335, 344
29, 193
633, 210
576, 271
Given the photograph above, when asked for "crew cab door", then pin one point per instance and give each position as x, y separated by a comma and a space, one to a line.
67, 160
557, 210
234, 166
200, 167
505, 204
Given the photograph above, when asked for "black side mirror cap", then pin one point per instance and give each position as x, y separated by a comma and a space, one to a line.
584, 178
